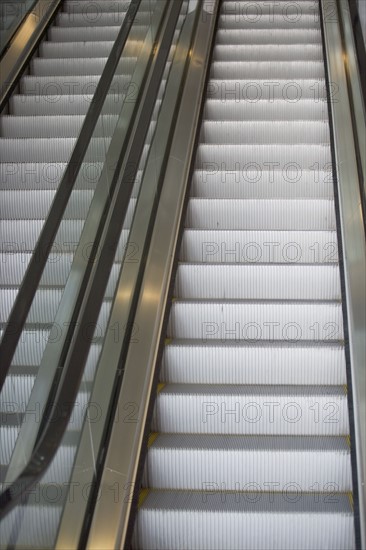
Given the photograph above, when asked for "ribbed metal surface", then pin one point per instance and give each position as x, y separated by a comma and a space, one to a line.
250, 446
36, 139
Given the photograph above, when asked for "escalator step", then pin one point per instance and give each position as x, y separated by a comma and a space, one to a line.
256, 320
257, 282
276, 362
240, 246
266, 110
271, 35
261, 214
276, 463
233, 521
255, 89
266, 52
251, 410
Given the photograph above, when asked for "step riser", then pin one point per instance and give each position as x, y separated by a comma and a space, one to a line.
44, 309
256, 321
261, 214
198, 469
234, 365
162, 530
259, 247
251, 414
258, 35
257, 282
265, 110
261, 132
292, 70
252, 91
271, 52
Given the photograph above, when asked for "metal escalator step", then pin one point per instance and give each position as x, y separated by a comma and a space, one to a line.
266, 110
90, 19
244, 362
270, 35
70, 50
14, 413
31, 347
263, 131
77, 67
257, 282
25, 235
317, 214
51, 127
268, 52
281, 6
256, 321
83, 34
253, 90
261, 463
55, 273
43, 312
50, 150
85, 49
267, 69
36, 525
252, 183
269, 21
66, 104
251, 410
18, 237
36, 204
94, 6
15, 394
101, 19
78, 84
307, 156
222, 246
38, 515
237, 521
8, 436
61, 105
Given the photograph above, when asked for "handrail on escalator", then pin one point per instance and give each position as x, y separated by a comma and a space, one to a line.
17, 13
23, 43
54, 427
354, 56
32, 277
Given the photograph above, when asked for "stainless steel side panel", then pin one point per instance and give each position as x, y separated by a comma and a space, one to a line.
353, 237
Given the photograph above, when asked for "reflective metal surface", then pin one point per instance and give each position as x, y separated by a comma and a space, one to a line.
111, 519
353, 237
354, 79
11, 16
25, 40
86, 465
54, 349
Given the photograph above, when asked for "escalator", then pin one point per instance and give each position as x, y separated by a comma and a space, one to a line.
38, 132
246, 436
39, 129
250, 433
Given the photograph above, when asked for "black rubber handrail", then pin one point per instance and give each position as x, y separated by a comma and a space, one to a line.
32, 277
60, 413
